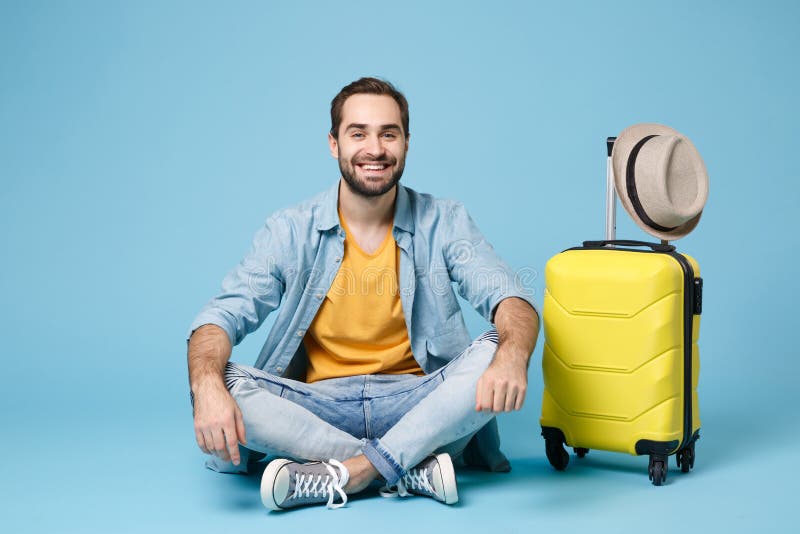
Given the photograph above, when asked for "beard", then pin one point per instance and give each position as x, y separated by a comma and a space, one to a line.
365, 188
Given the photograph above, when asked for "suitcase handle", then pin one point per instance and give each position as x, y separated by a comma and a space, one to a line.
658, 247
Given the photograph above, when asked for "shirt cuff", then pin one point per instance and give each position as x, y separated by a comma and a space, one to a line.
218, 319
523, 296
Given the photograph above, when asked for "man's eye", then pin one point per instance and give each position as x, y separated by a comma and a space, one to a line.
389, 135
358, 135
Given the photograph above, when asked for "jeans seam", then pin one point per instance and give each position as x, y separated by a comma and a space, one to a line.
365, 407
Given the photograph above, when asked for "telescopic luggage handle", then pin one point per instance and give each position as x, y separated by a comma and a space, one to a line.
611, 207
611, 197
658, 247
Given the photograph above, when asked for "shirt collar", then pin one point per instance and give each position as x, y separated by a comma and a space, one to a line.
329, 214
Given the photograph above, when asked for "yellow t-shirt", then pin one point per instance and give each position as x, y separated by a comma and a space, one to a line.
360, 329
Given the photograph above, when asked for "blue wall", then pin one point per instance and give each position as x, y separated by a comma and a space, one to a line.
143, 143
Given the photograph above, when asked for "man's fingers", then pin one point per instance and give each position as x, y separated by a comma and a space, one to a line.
501, 389
499, 398
233, 445
520, 399
478, 394
201, 441
487, 396
511, 399
214, 442
218, 438
219, 425
209, 440
240, 431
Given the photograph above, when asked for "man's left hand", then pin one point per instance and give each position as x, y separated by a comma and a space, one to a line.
502, 387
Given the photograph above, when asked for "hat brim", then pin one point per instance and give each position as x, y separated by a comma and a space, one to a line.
619, 160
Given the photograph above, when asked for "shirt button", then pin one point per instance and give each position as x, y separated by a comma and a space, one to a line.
319, 295
279, 369
337, 258
299, 333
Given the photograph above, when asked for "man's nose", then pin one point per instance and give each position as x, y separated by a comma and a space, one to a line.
375, 146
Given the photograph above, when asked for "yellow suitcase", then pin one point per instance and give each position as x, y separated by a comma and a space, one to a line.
621, 361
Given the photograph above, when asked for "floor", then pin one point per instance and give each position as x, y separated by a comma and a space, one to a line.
116, 475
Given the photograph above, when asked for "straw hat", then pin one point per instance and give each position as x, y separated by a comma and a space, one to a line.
660, 179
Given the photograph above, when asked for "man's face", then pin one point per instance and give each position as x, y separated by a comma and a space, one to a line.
372, 146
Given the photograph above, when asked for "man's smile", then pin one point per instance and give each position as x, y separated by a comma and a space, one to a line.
373, 167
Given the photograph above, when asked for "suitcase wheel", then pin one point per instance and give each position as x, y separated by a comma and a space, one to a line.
657, 469
556, 454
685, 458
580, 452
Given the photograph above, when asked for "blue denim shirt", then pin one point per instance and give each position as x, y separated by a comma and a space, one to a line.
297, 253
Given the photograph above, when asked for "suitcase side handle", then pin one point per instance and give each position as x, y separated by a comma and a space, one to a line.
658, 247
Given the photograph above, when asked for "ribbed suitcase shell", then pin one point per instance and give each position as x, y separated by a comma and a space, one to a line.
614, 362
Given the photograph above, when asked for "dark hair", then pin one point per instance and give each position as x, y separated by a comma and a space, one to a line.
370, 86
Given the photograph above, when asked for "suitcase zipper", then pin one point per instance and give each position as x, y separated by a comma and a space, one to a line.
689, 306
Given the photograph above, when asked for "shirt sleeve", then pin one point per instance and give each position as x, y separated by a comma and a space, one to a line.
252, 289
483, 278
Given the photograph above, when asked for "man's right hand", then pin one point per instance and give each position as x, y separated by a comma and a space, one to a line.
218, 423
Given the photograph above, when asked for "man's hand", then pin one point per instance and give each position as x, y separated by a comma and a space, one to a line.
502, 387
218, 423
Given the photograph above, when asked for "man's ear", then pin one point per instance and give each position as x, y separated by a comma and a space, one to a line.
407, 138
333, 144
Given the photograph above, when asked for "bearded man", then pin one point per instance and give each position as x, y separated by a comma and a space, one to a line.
369, 372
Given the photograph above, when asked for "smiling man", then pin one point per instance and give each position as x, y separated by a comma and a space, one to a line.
369, 372
376, 151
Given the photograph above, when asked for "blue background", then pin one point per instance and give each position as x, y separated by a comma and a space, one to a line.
143, 143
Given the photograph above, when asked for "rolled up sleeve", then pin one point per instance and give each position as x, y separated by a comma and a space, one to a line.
252, 289
482, 277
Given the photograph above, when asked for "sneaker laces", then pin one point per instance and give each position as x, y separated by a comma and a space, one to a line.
308, 485
415, 479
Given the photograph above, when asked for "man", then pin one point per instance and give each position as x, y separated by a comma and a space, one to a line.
368, 372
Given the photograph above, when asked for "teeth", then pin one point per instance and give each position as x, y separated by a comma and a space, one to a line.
374, 167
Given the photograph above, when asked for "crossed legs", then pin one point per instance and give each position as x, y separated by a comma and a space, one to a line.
379, 425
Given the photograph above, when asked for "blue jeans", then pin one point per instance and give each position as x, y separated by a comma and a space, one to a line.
395, 420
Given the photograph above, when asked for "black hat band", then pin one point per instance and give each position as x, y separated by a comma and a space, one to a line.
633, 195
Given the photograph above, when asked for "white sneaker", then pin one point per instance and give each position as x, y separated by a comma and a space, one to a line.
286, 484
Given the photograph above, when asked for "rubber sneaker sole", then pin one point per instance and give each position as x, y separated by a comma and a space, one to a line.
447, 476
272, 487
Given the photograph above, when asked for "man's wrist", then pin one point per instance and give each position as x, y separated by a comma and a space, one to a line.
515, 355
207, 380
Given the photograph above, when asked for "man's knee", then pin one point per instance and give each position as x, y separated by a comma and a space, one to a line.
482, 350
474, 360
245, 382
490, 335
234, 374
